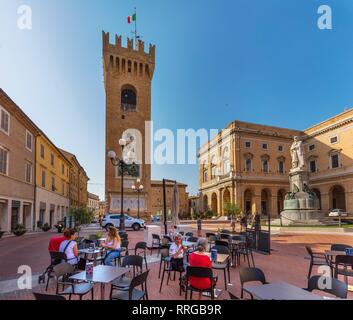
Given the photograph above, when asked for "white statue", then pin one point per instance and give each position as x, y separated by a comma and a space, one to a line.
129, 154
297, 153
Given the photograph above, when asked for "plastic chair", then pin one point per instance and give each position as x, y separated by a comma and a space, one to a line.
250, 275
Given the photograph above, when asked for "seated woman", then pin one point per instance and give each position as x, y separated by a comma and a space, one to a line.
69, 246
200, 259
176, 253
113, 246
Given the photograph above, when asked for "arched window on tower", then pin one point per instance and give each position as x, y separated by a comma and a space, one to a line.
128, 99
226, 161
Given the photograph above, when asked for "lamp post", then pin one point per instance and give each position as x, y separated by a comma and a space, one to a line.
119, 162
138, 188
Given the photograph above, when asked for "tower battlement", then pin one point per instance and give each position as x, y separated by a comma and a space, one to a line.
137, 53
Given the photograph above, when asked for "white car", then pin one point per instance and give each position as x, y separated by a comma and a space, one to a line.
337, 213
113, 220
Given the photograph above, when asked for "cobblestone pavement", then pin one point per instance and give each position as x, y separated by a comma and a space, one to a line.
288, 262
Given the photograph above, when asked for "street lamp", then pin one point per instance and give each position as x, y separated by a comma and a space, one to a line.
138, 188
119, 162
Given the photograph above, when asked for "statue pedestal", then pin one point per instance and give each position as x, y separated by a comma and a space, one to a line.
301, 204
299, 178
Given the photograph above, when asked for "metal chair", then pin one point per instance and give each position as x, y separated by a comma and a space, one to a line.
189, 234
165, 259
245, 249
156, 243
132, 293
62, 272
223, 266
123, 283
193, 239
316, 259
250, 275
198, 272
341, 267
141, 248
340, 247
335, 287
232, 296
55, 259
47, 297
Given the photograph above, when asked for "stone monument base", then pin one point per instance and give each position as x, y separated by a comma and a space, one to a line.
304, 217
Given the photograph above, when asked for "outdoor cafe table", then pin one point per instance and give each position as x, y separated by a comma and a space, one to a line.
102, 275
221, 258
94, 252
282, 291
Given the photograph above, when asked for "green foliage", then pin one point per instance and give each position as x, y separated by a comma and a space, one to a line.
232, 209
82, 216
209, 214
19, 230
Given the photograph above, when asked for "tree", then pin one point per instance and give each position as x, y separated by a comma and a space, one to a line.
82, 216
232, 209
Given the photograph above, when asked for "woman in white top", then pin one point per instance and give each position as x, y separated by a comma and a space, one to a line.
69, 246
176, 253
113, 246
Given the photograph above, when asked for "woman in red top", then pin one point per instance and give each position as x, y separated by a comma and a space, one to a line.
200, 259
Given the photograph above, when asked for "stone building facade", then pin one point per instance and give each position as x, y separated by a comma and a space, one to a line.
128, 73
78, 193
248, 164
17, 166
52, 182
157, 198
93, 203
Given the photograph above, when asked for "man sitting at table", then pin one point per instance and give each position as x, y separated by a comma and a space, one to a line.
176, 253
200, 259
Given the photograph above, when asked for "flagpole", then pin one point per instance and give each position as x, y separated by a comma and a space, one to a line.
136, 30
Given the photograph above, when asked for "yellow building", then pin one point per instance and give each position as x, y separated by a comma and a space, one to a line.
78, 182
52, 182
248, 164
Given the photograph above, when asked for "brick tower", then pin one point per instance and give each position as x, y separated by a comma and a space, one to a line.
128, 73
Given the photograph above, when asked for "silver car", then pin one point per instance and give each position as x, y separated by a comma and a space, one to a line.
113, 220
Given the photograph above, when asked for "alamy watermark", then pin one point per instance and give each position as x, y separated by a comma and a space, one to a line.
24, 20
325, 20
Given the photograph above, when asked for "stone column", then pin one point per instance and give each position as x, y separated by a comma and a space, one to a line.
219, 202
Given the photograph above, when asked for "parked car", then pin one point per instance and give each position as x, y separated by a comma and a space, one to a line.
113, 220
338, 213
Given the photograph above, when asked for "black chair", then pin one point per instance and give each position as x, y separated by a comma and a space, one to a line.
123, 235
189, 234
340, 247
316, 259
123, 283
222, 243
156, 243
141, 248
55, 259
165, 259
223, 266
335, 287
245, 250
341, 267
168, 238
209, 234
47, 297
168, 268
62, 273
232, 296
225, 231
193, 239
250, 275
132, 293
181, 233
199, 272
225, 236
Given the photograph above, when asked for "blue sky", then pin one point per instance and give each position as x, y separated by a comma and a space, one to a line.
216, 61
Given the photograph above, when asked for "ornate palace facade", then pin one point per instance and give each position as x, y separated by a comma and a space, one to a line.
248, 164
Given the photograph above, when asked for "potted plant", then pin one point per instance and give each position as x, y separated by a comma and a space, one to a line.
1, 233
39, 224
46, 227
19, 230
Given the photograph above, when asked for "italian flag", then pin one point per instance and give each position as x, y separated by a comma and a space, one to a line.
131, 18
